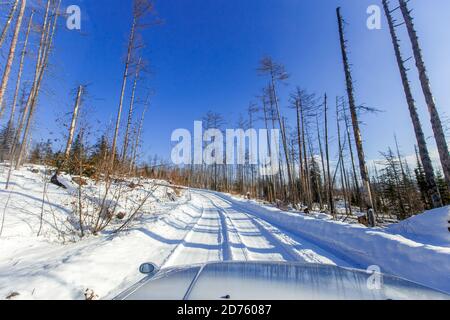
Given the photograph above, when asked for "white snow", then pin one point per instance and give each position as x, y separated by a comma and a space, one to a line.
200, 226
431, 227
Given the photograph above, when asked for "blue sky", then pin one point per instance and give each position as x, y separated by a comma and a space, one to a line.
205, 54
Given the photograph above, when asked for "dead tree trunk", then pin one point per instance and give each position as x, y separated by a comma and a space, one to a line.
432, 190
12, 52
122, 94
300, 149
8, 22
305, 155
354, 113
130, 112
327, 152
426, 88
352, 157
322, 159
73, 123
19, 75
138, 137
49, 33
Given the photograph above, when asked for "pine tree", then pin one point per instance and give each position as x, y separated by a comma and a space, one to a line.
6, 140
442, 185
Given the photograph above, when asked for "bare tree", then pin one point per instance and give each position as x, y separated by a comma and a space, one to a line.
12, 51
140, 9
130, 111
327, 152
73, 123
138, 136
433, 192
47, 36
277, 73
354, 113
436, 123
8, 21
19, 75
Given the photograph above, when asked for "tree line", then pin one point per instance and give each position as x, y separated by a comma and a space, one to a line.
312, 177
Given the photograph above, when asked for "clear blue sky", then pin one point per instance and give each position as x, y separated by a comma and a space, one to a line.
204, 57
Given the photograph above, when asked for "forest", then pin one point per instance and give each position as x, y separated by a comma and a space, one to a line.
312, 176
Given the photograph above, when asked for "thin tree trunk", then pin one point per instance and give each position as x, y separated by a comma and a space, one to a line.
352, 158
73, 124
327, 151
130, 112
348, 204
300, 152
12, 52
136, 141
122, 94
8, 22
283, 134
355, 121
19, 75
432, 189
426, 88
305, 156
50, 33
322, 160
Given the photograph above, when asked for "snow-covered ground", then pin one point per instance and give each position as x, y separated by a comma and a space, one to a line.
199, 226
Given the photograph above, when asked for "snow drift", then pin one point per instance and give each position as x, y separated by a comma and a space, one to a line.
403, 250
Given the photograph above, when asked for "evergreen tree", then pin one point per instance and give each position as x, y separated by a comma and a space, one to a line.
6, 140
442, 185
316, 180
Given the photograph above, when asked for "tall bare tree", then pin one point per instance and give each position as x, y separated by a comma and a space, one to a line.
277, 73
8, 21
130, 111
433, 191
327, 152
436, 123
138, 137
354, 114
19, 74
47, 36
12, 51
140, 9
73, 123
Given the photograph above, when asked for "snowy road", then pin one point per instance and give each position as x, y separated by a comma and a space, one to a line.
225, 230
203, 227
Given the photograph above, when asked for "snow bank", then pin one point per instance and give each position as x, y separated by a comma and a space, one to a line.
60, 265
430, 227
394, 253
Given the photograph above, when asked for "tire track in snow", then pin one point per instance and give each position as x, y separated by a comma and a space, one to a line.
289, 255
284, 239
169, 260
224, 217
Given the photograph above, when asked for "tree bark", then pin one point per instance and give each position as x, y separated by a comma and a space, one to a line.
138, 137
327, 151
8, 22
12, 52
426, 88
355, 121
432, 190
19, 75
73, 124
130, 112
122, 94
48, 35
